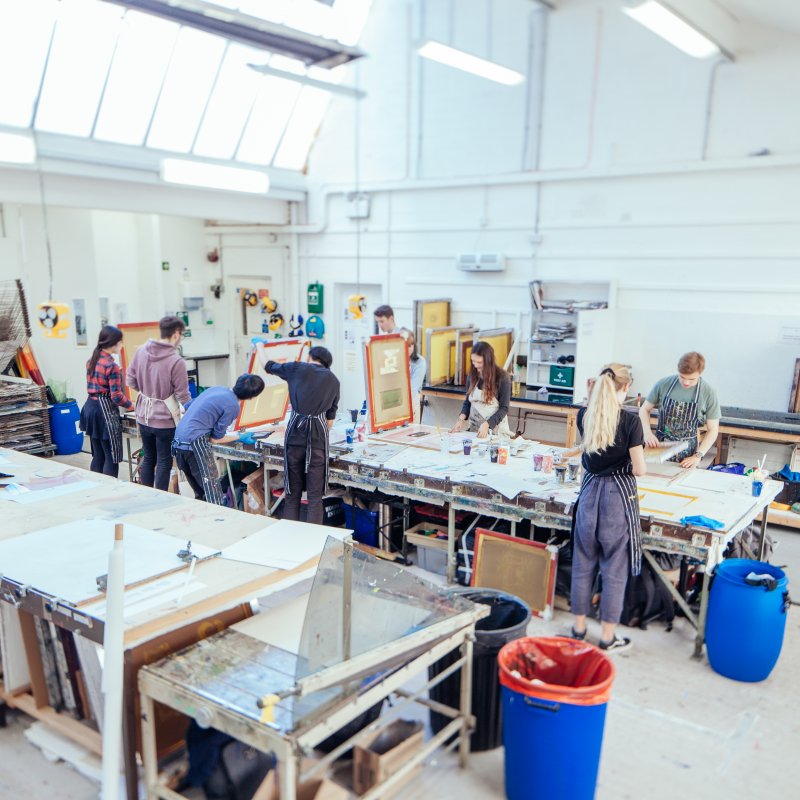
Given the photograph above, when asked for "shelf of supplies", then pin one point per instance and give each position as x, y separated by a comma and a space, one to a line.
553, 341
553, 363
569, 389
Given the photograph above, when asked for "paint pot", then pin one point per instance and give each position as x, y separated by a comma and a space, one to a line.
493, 453
561, 473
467, 446
537, 462
353, 415
502, 454
547, 464
756, 488
572, 470
350, 435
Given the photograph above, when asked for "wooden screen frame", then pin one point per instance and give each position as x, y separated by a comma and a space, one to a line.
396, 422
155, 333
464, 342
255, 367
421, 325
496, 333
523, 547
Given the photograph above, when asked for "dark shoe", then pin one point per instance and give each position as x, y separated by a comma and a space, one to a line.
579, 635
618, 645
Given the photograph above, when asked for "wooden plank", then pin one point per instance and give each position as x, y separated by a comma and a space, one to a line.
65, 725
794, 395
35, 669
787, 518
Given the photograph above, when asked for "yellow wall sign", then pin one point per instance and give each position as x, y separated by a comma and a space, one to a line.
54, 318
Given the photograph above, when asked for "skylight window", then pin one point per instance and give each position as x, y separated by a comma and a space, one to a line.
302, 128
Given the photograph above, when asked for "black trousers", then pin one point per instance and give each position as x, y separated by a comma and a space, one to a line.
187, 463
312, 481
157, 456
102, 458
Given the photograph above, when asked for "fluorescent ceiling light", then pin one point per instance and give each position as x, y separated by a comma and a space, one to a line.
17, 148
436, 51
249, 30
214, 176
668, 25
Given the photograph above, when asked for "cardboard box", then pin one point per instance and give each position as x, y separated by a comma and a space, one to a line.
431, 550
254, 501
380, 756
318, 789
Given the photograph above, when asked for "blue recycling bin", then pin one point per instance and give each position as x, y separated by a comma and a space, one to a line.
65, 420
746, 623
555, 691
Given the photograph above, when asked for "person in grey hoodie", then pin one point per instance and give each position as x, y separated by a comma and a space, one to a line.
158, 373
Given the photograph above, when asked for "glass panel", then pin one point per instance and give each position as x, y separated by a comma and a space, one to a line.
25, 30
83, 45
267, 120
234, 93
189, 80
302, 128
137, 71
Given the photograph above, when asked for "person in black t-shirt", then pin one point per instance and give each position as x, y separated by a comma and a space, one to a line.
314, 394
607, 523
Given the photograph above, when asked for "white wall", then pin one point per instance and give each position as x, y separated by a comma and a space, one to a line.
640, 180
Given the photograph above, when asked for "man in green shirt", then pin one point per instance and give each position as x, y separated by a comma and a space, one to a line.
684, 402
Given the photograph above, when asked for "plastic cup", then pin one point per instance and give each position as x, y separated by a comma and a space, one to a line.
561, 473
572, 470
502, 454
757, 486
547, 464
537, 462
354, 415
493, 453
349, 435
467, 446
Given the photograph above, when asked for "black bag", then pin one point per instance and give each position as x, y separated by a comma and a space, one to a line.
240, 771
647, 599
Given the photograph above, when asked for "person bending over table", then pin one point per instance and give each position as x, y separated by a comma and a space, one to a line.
684, 402
314, 395
205, 423
488, 397
607, 533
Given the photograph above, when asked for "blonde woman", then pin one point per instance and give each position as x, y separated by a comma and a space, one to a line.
607, 524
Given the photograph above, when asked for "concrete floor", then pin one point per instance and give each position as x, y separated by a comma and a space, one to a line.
674, 727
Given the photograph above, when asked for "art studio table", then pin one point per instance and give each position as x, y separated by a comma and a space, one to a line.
515, 492
286, 680
49, 522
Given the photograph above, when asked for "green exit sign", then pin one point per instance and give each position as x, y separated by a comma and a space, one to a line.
165, 266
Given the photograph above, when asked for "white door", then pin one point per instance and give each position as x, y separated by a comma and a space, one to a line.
350, 335
258, 270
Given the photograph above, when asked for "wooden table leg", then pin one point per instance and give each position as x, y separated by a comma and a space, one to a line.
763, 535
451, 544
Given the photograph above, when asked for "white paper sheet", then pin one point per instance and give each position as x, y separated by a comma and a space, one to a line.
284, 545
19, 494
66, 560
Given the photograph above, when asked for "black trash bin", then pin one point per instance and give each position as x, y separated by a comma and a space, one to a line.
507, 621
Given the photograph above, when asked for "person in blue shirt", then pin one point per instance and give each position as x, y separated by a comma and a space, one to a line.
205, 423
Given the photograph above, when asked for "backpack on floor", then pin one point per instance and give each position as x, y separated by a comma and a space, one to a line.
647, 599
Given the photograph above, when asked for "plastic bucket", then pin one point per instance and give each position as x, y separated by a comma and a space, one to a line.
745, 623
65, 419
507, 620
553, 727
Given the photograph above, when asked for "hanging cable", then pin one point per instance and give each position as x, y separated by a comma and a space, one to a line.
357, 174
43, 203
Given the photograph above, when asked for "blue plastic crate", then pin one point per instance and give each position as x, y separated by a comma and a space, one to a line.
363, 523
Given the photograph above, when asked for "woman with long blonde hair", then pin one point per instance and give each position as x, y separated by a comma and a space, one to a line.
607, 524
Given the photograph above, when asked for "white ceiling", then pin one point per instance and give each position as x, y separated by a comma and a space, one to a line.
780, 14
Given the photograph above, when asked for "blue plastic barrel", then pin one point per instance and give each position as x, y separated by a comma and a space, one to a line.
553, 717
745, 624
64, 421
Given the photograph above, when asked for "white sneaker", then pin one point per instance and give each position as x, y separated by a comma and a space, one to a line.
618, 645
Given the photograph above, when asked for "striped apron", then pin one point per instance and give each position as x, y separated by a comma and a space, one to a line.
209, 474
679, 420
626, 483
113, 422
304, 424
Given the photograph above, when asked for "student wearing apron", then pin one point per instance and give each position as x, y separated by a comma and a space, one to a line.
204, 424
684, 402
314, 395
158, 372
488, 397
100, 419
607, 532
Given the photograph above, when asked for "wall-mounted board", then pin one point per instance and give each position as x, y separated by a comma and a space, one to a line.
270, 406
388, 382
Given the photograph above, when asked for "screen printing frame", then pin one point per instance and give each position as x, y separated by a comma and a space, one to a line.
404, 414
272, 383
430, 314
134, 330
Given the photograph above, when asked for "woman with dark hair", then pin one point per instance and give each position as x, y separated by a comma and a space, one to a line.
488, 397
100, 419
416, 370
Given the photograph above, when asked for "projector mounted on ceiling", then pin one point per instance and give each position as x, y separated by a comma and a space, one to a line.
480, 262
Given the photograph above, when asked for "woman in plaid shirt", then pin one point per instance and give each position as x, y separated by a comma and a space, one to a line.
100, 418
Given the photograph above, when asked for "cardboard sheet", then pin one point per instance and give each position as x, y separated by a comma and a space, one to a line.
66, 560
284, 544
20, 494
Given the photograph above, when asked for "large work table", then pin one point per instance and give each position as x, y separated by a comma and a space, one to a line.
515, 492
